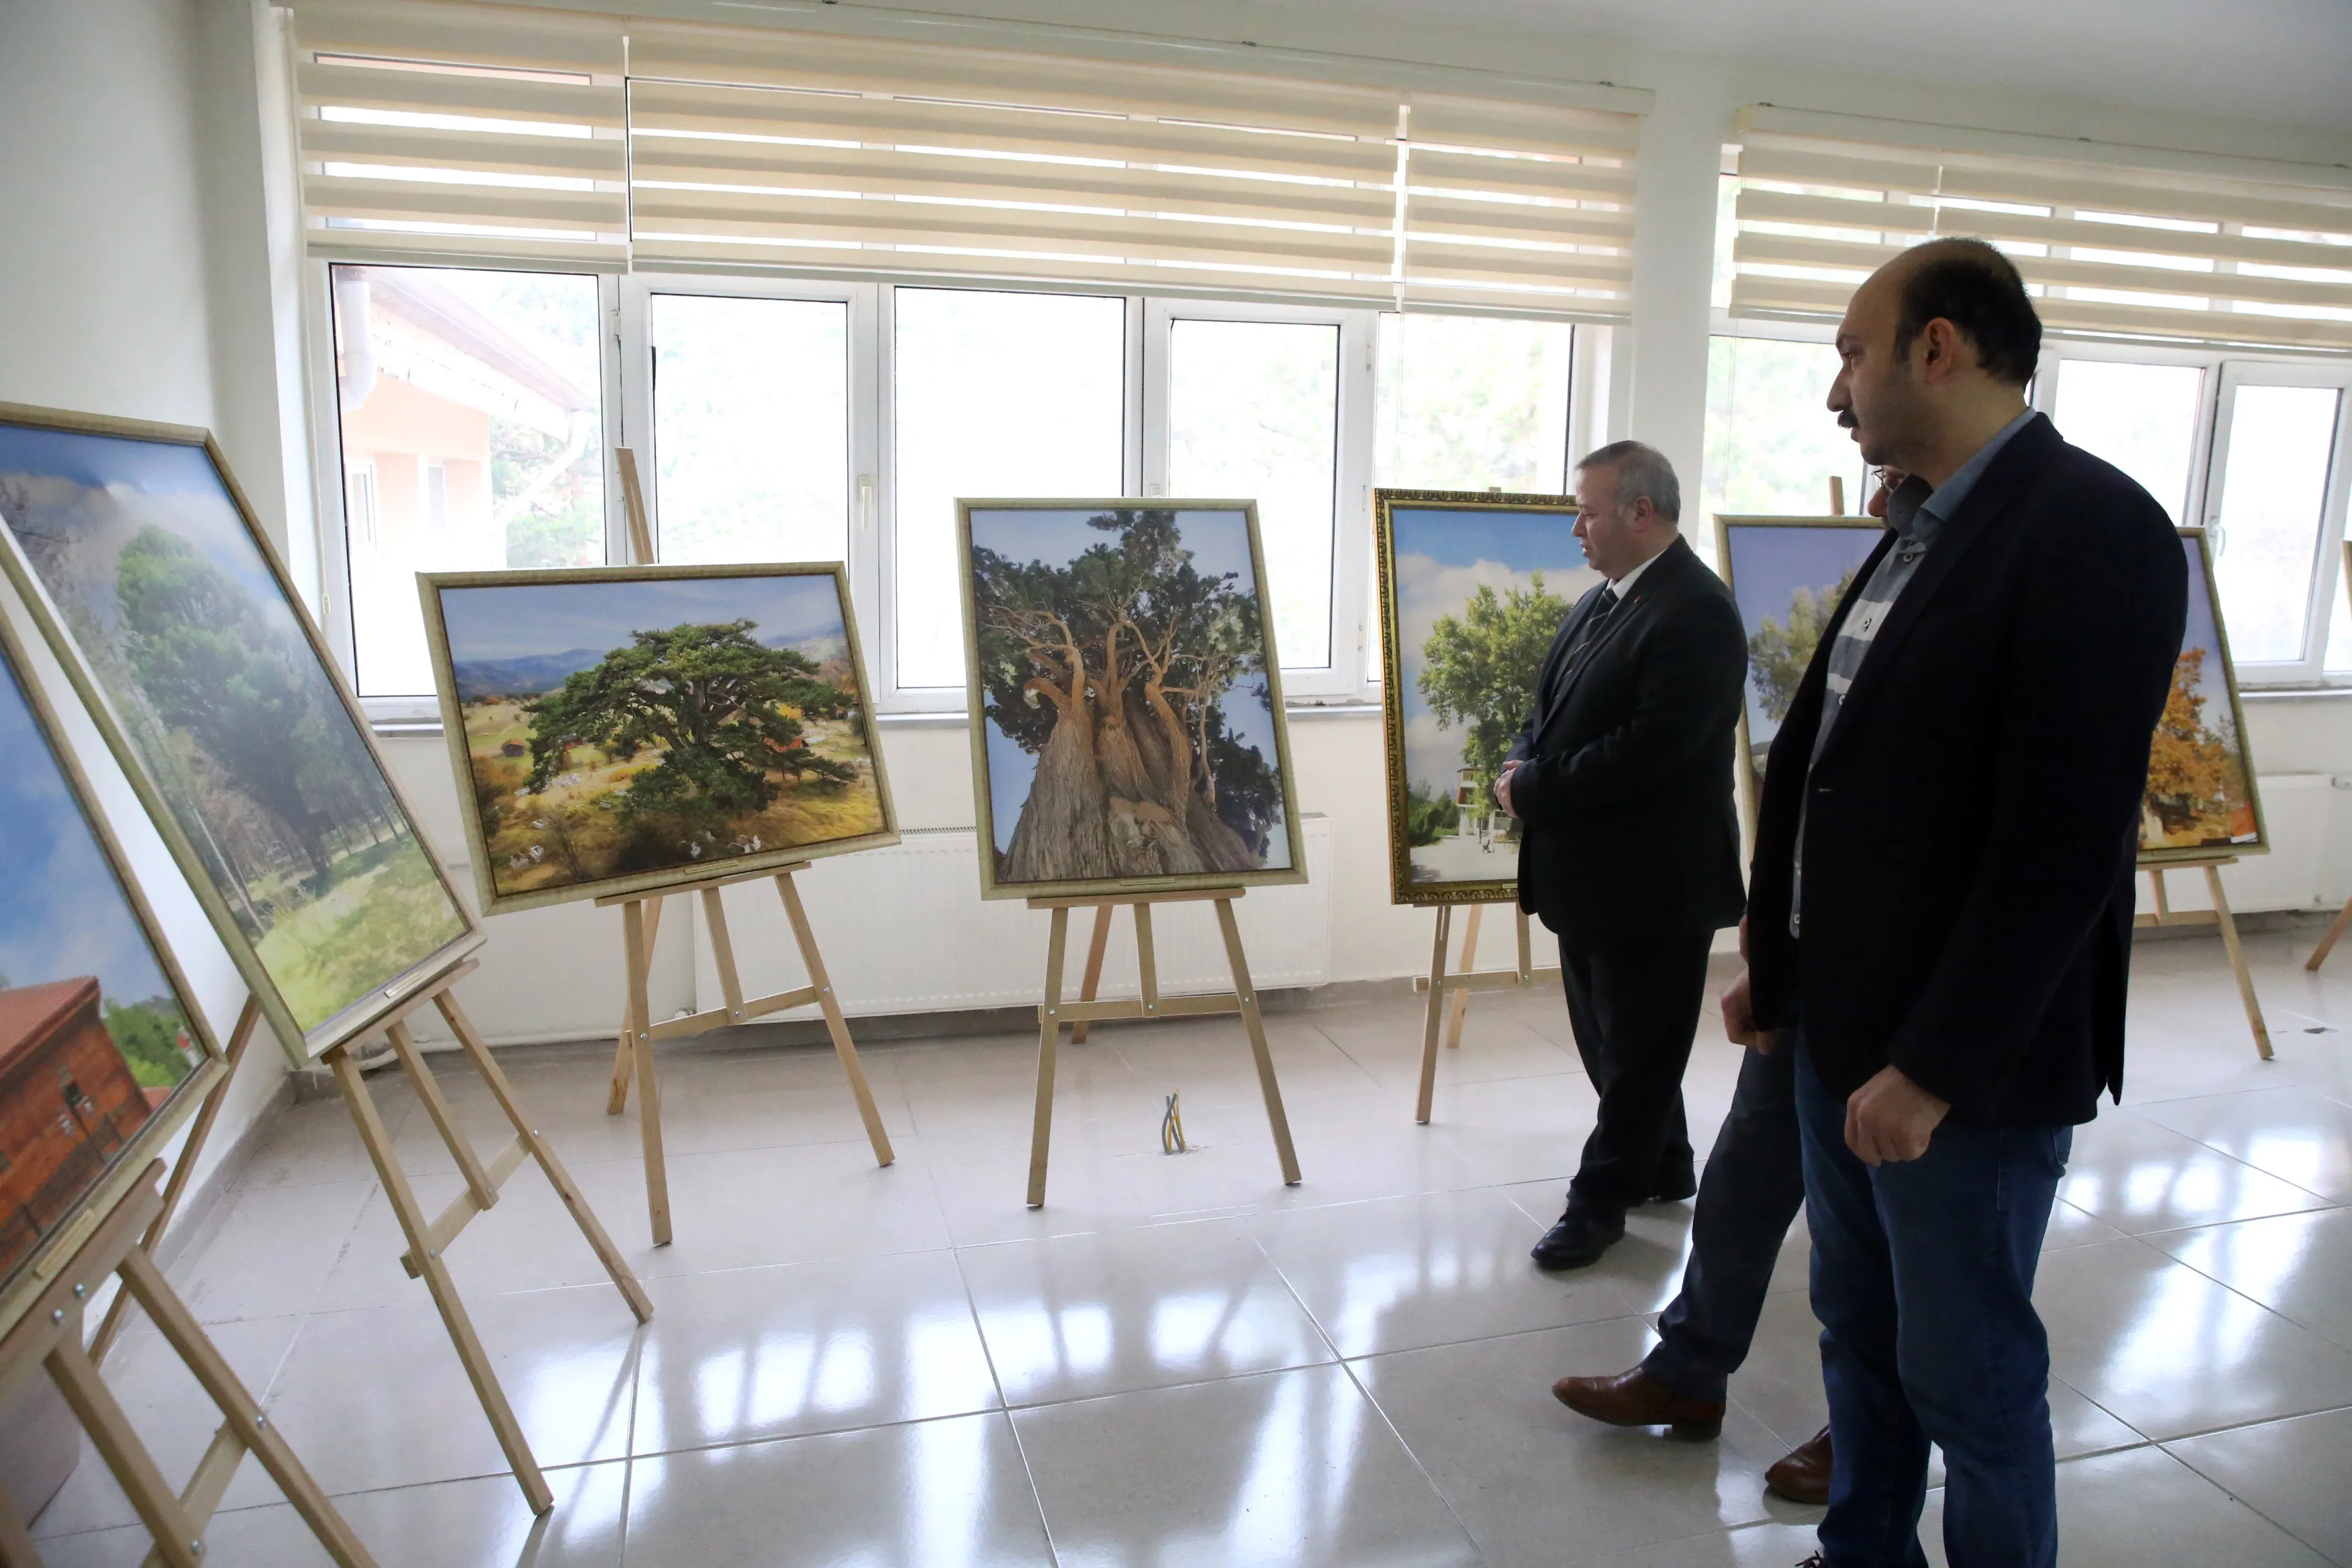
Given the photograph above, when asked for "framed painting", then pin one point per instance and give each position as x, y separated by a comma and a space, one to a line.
103, 1052
624, 728
1788, 574
1473, 586
2202, 803
145, 569
1126, 698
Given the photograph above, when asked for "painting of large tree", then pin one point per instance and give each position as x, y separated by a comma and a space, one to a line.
622, 729
1125, 696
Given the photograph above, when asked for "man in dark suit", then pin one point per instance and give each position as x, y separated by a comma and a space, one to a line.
1629, 850
1940, 903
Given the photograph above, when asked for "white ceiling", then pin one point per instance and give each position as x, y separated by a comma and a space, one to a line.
2287, 60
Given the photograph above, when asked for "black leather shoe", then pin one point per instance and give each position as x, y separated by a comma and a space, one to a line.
1579, 1238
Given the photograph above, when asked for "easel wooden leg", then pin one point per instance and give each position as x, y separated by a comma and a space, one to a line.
1433, 1014
545, 1153
133, 1467
1266, 1083
2238, 962
625, 1057
415, 1227
835, 1025
249, 1428
444, 1121
639, 945
1091, 982
1049, 1033
1469, 961
110, 1328
2334, 934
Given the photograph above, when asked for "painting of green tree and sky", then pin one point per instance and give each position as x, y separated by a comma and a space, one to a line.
224, 698
621, 729
1475, 589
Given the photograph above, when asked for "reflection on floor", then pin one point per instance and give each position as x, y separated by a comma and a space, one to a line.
1178, 1362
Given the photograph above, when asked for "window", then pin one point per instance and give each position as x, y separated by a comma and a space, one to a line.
2275, 447
1473, 402
751, 428
994, 395
471, 411
2143, 418
1253, 412
781, 420
1772, 443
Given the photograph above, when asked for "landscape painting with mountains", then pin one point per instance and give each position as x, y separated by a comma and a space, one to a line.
631, 729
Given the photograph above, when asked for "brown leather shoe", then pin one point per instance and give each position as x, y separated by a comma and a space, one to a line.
1636, 1399
1803, 1474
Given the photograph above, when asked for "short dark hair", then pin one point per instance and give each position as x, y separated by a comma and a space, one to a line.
1643, 472
1978, 290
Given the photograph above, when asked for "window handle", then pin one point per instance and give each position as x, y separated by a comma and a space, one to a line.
864, 503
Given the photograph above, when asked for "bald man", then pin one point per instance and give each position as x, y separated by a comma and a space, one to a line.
1941, 902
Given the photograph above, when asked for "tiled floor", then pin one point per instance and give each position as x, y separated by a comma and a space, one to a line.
1178, 1361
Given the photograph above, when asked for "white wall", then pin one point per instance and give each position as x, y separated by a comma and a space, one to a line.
121, 186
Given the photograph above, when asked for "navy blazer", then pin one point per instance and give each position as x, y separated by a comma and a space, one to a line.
1627, 827
1971, 827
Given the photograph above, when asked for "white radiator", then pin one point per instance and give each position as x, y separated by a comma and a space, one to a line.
904, 930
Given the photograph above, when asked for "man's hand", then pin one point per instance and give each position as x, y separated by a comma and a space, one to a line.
1503, 789
1739, 1018
1891, 1118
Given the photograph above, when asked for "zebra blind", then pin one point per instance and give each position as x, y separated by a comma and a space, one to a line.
2122, 243
499, 132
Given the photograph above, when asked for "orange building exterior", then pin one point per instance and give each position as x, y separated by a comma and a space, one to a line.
68, 1104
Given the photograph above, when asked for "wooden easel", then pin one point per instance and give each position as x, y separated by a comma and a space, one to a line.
1053, 1012
2335, 932
430, 1239
200, 1132
51, 1336
1441, 986
640, 923
2219, 915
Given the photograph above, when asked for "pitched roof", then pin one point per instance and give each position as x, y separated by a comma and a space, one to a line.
29, 1013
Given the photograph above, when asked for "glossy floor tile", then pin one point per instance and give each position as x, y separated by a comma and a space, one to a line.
1181, 1359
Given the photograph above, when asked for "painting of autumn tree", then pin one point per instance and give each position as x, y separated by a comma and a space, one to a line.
1127, 709
2200, 797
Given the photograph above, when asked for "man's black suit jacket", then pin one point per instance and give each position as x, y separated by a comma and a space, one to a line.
1624, 794
1971, 826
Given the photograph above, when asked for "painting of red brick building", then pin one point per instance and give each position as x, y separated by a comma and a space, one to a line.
68, 1104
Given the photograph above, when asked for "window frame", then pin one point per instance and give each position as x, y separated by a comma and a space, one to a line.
1352, 681
2310, 671
1346, 677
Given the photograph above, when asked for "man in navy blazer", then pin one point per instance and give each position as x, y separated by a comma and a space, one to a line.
1940, 900
1621, 782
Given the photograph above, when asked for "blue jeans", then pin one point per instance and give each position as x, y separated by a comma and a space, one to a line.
1747, 1197
1923, 1282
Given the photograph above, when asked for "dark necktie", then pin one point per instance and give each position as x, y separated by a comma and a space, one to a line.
1601, 612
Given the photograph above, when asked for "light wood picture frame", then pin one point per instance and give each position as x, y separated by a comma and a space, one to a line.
544, 831
1458, 569
69, 903
331, 933
1164, 819
1786, 557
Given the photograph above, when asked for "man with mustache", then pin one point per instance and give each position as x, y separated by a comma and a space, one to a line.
1747, 1197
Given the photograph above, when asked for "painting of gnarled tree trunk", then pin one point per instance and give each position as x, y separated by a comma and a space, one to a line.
1126, 705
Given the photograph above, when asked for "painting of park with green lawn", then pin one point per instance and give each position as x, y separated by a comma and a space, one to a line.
1475, 590
621, 729
222, 696
1787, 579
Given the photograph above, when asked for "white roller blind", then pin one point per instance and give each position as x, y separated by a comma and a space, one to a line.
457, 131
2113, 241
492, 131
